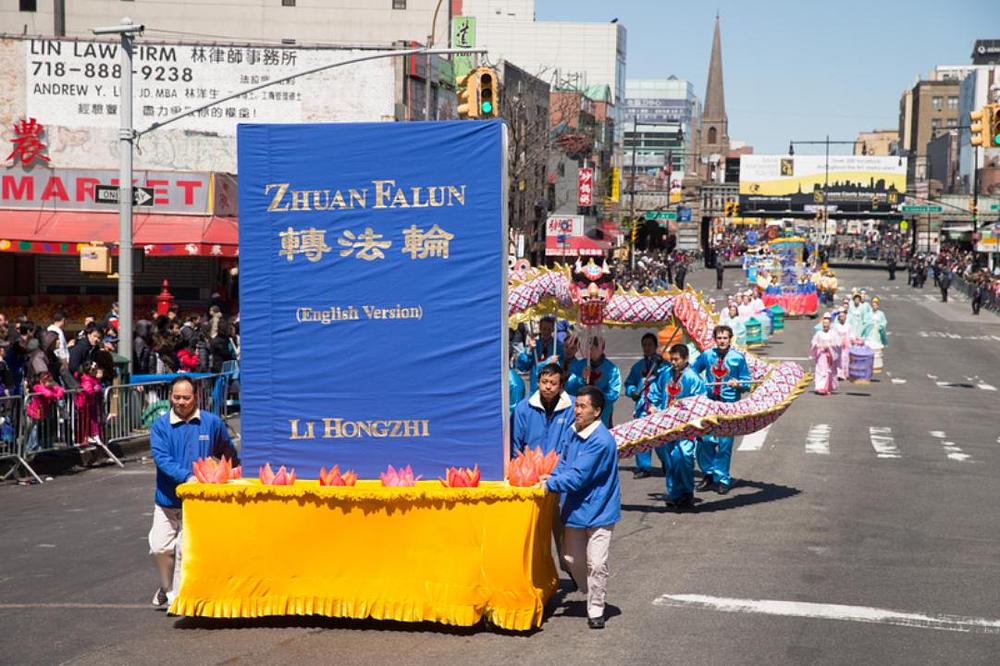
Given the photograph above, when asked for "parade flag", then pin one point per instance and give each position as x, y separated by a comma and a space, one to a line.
372, 298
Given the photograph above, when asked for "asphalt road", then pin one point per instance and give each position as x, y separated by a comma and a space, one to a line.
864, 558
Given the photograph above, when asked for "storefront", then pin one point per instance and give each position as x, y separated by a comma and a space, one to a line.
188, 235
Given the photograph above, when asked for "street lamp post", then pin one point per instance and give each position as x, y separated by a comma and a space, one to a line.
126, 136
427, 72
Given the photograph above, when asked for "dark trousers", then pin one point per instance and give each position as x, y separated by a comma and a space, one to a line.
892, 272
944, 293
718, 280
977, 302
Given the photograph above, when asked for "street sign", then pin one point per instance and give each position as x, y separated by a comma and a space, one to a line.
921, 208
661, 215
995, 206
108, 194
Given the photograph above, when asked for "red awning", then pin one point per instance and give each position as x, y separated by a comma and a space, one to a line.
61, 232
576, 246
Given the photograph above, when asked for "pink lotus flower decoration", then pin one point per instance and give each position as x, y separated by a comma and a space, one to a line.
334, 478
282, 478
401, 478
461, 477
210, 470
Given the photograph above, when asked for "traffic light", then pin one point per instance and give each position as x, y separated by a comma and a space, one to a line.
994, 126
468, 95
982, 121
489, 101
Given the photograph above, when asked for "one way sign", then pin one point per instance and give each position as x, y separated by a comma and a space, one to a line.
108, 194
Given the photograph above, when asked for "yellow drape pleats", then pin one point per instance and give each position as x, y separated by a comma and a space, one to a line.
426, 553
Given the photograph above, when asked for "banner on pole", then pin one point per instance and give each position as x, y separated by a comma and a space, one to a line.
373, 263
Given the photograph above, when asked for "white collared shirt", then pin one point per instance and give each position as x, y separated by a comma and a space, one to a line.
174, 419
589, 430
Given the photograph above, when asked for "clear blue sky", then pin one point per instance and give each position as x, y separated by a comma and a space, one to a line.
796, 70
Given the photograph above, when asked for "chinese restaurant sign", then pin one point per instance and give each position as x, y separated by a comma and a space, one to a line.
373, 309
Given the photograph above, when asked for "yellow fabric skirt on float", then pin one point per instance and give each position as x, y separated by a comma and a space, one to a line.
425, 553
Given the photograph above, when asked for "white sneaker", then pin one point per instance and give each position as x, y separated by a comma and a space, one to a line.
159, 598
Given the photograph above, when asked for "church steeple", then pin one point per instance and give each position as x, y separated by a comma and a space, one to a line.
714, 122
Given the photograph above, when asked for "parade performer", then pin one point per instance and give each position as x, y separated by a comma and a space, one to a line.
177, 439
726, 376
823, 349
587, 476
676, 382
543, 419
597, 371
878, 337
731, 318
542, 351
843, 332
640, 380
859, 316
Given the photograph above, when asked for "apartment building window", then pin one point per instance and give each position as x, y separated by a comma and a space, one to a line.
29, 5
399, 4
935, 123
937, 103
952, 103
287, 3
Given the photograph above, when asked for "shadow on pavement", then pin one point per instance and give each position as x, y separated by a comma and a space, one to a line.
711, 502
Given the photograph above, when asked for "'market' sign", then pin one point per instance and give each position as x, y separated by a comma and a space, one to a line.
372, 266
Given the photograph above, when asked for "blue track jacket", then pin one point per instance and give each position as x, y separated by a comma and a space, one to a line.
640, 380
665, 390
716, 370
609, 382
537, 358
177, 444
587, 475
532, 427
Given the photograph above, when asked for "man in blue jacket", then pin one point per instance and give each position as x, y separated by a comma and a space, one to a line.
640, 380
587, 476
543, 419
177, 439
726, 376
597, 371
677, 382
541, 351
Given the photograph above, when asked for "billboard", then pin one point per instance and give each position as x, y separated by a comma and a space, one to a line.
564, 225
373, 263
800, 183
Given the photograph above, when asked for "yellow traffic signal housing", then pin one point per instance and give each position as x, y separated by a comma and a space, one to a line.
468, 95
994, 126
980, 127
489, 100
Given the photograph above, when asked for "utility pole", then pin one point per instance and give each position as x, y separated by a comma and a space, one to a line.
635, 145
126, 138
427, 73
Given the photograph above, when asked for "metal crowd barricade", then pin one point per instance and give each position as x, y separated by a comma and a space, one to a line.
132, 408
74, 421
11, 444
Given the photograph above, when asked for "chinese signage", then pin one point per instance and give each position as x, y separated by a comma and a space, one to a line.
27, 142
585, 187
848, 183
391, 261
74, 84
616, 184
564, 225
463, 36
73, 189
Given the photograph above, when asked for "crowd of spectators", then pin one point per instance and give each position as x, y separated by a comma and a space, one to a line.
32, 353
654, 269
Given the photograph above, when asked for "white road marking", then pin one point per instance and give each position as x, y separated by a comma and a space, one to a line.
831, 612
883, 442
72, 605
938, 433
995, 338
929, 376
897, 380
754, 441
818, 440
952, 452
986, 387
